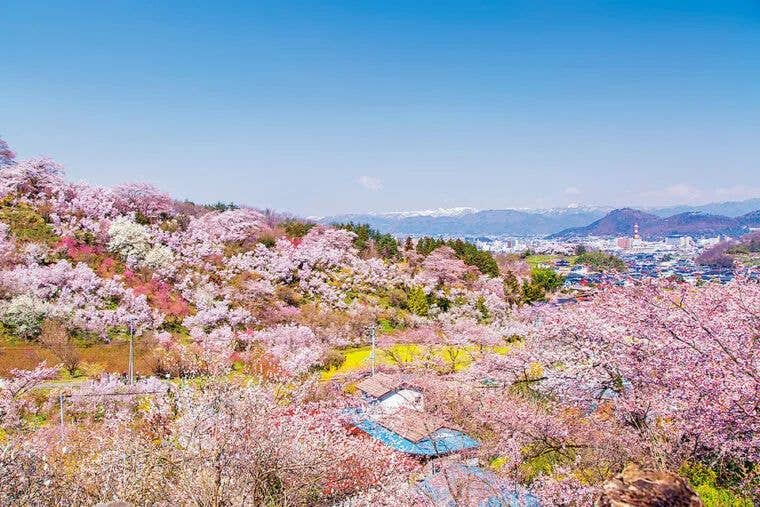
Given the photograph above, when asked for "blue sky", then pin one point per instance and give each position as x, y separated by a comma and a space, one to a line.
326, 107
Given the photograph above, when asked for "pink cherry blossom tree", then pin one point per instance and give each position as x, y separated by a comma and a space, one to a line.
33, 180
142, 198
7, 156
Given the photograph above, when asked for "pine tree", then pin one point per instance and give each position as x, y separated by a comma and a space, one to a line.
417, 301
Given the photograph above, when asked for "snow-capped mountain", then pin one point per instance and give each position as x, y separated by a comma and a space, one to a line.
471, 222
438, 212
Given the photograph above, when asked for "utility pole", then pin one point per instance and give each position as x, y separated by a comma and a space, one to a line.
63, 431
372, 353
131, 354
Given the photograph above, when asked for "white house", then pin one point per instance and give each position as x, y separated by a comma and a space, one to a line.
390, 393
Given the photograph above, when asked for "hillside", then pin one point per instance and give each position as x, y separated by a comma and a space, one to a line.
732, 209
621, 223
257, 382
617, 222
206, 280
751, 219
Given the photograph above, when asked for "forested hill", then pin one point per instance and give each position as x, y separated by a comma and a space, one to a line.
621, 222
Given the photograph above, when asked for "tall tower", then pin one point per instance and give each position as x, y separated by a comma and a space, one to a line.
636, 231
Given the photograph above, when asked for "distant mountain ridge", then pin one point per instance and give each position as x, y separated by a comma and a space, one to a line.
729, 208
621, 222
470, 222
476, 223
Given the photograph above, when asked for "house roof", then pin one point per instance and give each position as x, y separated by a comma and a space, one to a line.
413, 425
441, 442
379, 385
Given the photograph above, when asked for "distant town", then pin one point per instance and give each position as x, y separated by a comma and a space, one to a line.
670, 257
693, 244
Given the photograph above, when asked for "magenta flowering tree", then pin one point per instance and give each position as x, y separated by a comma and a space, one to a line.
211, 314
571, 451
324, 248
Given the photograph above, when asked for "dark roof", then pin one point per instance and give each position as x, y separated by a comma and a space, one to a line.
379, 385
413, 425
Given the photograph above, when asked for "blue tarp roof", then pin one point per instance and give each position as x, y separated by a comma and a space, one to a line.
480, 487
442, 441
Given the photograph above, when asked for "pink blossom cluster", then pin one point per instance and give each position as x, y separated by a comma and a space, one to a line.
678, 365
79, 295
296, 348
228, 226
32, 181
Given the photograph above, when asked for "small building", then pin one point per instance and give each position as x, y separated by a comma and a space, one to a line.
415, 432
390, 393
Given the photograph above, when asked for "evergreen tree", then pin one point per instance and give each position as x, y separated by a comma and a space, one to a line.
417, 301
485, 315
512, 290
385, 245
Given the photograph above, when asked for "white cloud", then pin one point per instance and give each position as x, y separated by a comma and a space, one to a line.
370, 183
572, 191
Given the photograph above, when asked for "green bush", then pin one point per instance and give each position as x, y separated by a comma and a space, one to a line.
713, 496
546, 278
738, 250
267, 240
221, 206
398, 298
26, 224
705, 482
485, 315
542, 281
386, 326
296, 228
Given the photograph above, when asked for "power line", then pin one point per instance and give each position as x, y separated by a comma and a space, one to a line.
96, 395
